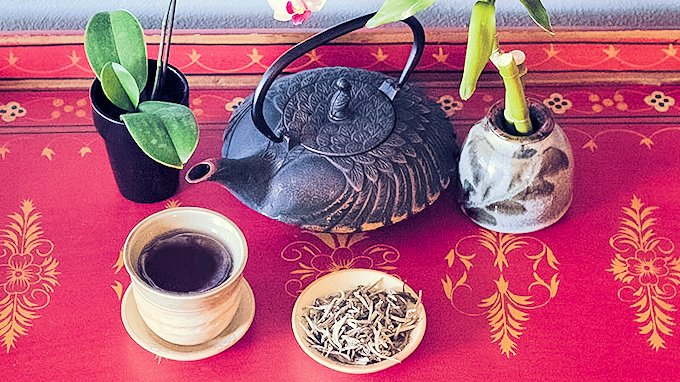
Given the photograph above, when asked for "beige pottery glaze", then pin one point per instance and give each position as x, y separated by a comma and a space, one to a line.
512, 183
187, 318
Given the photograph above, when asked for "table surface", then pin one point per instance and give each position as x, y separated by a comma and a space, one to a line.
593, 297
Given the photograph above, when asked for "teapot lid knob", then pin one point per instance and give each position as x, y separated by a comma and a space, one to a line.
339, 110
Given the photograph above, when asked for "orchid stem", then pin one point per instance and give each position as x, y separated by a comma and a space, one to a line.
164, 49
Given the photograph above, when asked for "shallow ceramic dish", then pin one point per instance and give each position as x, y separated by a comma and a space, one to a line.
142, 335
346, 280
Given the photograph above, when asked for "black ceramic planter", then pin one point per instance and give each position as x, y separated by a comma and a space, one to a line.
139, 178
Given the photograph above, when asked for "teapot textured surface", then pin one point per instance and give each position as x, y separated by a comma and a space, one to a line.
336, 149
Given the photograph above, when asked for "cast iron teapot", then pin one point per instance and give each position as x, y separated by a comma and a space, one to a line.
350, 149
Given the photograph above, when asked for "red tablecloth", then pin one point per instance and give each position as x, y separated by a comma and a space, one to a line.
593, 297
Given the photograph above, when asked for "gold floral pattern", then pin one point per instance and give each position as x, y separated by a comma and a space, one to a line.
379, 55
196, 106
557, 103
325, 253
232, 105
488, 98
11, 111
172, 203
659, 101
225, 58
481, 258
440, 56
649, 271
647, 141
599, 103
28, 273
48, 153
78, 109
84, 151
21, 274
450, 105
118, 286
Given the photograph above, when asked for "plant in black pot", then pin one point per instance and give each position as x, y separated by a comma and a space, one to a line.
139, 106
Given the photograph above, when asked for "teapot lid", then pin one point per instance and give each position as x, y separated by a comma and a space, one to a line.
342, 113
361, 110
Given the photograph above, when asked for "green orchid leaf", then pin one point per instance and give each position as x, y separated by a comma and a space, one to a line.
117, 37
395, 10
480, 44
166, 132
180, 124
152, 137
119, 86
538, 14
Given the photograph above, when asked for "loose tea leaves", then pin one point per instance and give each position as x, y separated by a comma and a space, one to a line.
361, 326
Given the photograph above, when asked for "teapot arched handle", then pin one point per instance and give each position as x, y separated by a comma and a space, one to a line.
316, 41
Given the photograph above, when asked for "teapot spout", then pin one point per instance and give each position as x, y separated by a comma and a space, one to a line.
246, 178
246, 175
202, 171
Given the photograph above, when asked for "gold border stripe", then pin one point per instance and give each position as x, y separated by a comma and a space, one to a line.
429, 80
383, 35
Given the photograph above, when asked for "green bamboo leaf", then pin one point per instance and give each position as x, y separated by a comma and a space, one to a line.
166, 132
117, 37
480, 44
395, 10
538, 13
119, 86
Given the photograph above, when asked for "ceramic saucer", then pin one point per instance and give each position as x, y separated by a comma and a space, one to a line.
144, 337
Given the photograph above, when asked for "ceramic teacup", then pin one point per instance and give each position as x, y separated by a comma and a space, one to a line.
187, 318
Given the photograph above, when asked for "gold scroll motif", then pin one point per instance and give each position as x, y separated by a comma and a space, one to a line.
645, 264
28, 273
324, 253
503, 277
117, 286
560, 53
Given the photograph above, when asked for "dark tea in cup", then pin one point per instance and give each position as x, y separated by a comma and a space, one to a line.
186, 271
184, 262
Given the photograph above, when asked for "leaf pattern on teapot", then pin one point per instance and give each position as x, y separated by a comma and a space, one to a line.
392, 161
369, 121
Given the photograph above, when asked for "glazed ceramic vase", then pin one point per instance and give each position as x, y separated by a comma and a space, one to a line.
516, 183
138, 177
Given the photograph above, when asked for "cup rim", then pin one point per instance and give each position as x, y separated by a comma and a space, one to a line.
538, 113
236, 273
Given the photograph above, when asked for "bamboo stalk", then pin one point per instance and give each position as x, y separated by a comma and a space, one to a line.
516, 111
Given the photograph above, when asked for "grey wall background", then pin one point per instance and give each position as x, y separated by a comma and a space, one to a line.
221, 14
